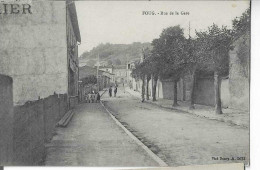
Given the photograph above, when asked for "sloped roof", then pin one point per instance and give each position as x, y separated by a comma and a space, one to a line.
74, 19
110, 66
119, 66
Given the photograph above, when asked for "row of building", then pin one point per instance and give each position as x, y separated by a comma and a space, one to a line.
117, 74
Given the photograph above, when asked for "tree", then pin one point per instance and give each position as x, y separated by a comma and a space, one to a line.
215, 44
143, 71
155, 64
139, 73
118, 61
147, 68
195, 62
148, 78
91, 79
171, 48
241, 25
241, 31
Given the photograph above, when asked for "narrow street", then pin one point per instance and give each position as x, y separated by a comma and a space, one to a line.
179, 138
92, 138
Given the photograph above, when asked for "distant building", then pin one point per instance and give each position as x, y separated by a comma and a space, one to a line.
129, 68
109, 69
120, 72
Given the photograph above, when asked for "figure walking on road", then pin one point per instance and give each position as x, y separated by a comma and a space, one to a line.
115, 91
110, 91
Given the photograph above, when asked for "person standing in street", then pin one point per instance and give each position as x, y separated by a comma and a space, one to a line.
115, 91
110, 91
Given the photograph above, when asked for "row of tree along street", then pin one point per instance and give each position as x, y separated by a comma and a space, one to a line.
173, 55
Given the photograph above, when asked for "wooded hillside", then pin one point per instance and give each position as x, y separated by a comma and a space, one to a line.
115, 54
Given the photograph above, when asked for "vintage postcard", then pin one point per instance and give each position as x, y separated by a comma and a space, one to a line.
124, 83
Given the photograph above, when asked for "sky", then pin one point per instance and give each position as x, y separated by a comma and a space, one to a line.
123, 22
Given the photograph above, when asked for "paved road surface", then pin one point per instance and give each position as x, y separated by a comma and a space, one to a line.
93, 139
179, 138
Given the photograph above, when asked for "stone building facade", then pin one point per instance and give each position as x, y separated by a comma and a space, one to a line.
39, 50
73, 40
120, 72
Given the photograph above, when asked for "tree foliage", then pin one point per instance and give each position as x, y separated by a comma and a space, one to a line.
166, 59
241, 33
114, 52
213, 48
241, 25
89, 80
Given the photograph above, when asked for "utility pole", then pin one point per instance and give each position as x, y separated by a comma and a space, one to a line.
189, 30
97, 73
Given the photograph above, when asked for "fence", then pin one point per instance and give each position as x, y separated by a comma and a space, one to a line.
34, 125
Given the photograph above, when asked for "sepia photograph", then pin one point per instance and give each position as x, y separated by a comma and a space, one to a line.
125, 83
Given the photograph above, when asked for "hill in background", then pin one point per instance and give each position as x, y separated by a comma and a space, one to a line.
115, 54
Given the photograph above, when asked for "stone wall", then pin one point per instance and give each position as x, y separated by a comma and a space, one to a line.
6, 120
204, 91
167, 87
34, 124
33, 51
29, 133
239, 74
159, 89
225, 93
168, 90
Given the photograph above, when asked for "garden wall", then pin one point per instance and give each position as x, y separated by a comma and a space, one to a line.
6, 120
34, 124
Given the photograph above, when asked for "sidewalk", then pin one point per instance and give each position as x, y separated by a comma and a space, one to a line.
231, 116
92, 138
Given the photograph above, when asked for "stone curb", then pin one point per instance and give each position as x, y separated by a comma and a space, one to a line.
149, 152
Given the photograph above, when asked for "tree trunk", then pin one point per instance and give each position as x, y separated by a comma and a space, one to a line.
183, 89
143, 88
193, 86
154, 87
147, 87
217, 81
175, 95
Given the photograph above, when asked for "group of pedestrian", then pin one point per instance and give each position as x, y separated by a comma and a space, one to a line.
92, 97
110, 91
